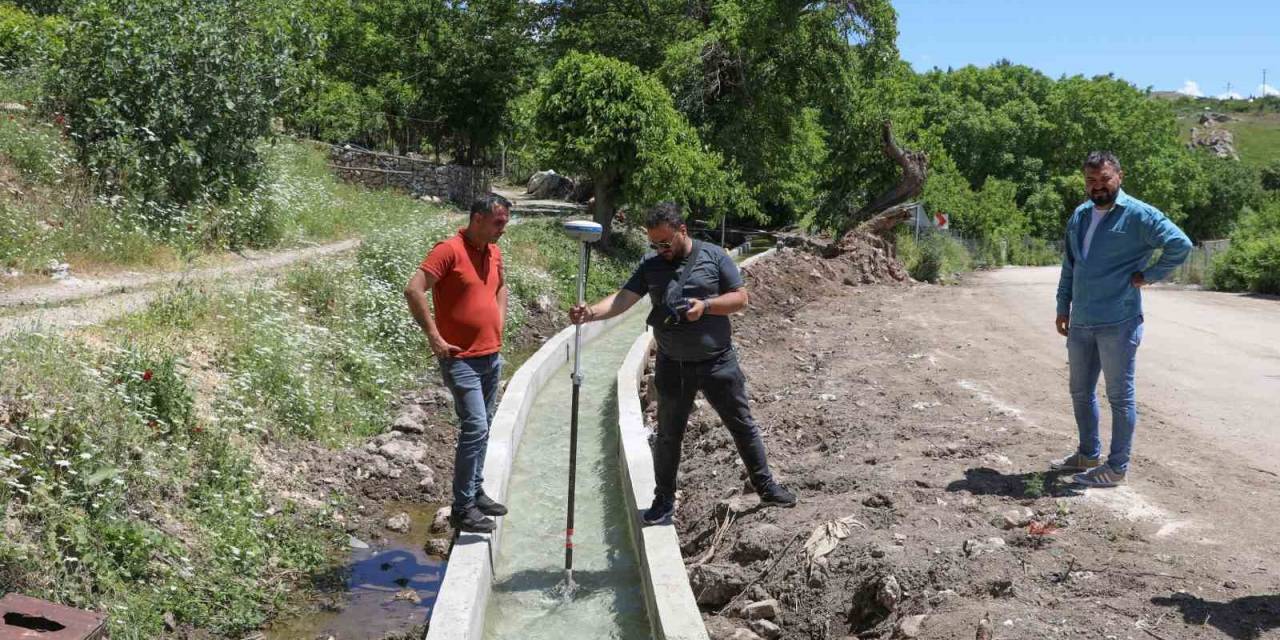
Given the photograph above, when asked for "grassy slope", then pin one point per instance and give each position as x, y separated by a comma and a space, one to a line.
127, 482
1257, 136
48, 211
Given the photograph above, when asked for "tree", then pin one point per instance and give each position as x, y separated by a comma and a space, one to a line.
1105, 113
398, 74
772, 84
606, 119
1232, 188
635, 32
992, 121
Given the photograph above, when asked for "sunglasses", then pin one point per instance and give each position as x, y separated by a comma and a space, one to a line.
665, 244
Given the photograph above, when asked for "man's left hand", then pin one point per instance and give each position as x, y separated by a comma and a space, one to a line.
1138, 280
696, 309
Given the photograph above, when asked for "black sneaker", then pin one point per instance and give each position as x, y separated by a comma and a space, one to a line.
471, 520
777, 496
489, 506
661, 512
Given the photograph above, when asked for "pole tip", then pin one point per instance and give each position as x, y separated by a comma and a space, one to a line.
583, 230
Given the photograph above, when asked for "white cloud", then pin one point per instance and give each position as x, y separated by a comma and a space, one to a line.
1191, 88
1268, 90
1230, 95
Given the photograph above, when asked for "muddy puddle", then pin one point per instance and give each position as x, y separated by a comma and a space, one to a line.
384, 590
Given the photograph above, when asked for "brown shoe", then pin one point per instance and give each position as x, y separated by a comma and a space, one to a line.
1075, 462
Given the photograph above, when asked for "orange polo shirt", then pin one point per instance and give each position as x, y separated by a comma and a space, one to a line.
466, 294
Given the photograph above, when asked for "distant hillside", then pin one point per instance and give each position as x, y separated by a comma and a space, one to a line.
1257, 135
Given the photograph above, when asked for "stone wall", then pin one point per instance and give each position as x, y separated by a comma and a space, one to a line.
414, 174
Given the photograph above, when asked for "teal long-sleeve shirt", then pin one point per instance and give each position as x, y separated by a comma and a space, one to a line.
1098, 290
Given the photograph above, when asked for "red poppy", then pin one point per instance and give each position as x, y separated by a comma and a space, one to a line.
146, 375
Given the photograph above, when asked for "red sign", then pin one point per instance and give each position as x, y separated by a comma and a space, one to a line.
941, 219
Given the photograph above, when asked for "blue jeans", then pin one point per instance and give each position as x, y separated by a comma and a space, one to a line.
474, 383
1110, 349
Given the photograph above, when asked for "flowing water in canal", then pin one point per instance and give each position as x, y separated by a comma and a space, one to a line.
609, 601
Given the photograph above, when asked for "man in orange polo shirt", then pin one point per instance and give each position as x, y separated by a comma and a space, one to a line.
464, 274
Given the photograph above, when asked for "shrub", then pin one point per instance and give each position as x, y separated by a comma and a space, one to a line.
167, 99
25, 39
1271, 176
935, 257
1252, 262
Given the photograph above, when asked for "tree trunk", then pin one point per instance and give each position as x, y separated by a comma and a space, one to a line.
915, 170
604, 207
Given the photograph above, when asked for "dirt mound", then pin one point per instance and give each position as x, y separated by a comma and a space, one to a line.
926, 506
795, 275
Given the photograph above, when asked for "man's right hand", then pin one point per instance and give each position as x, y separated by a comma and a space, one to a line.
442, 348
580, 313
1062, 323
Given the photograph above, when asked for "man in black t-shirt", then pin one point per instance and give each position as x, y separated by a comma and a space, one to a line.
693, 287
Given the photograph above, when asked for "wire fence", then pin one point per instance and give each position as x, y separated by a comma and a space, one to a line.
1198, 267
998, 252
1029, 251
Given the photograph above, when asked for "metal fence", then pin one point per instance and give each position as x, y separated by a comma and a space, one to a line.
1198, 268
998, 252
988, 252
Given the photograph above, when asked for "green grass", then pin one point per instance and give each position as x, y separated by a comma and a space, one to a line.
132, 486
1257, 139
1256, 135
36, 149
57, 217
117, 496
1033, 486
540, 259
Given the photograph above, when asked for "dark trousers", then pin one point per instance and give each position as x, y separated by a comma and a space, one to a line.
722, 382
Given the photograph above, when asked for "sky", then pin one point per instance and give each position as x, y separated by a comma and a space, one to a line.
1169, 45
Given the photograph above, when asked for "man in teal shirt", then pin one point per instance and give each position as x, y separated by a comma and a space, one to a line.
1109, 244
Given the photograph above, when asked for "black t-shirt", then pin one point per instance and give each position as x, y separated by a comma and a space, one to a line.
713, 273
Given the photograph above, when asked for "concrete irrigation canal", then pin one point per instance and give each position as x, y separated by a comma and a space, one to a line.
609, 600
631, 580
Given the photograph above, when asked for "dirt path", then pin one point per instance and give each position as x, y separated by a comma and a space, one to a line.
78, 302
926, 417
523, 205
1209, 363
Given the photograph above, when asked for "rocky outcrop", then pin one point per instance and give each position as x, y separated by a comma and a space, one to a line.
1215, 140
